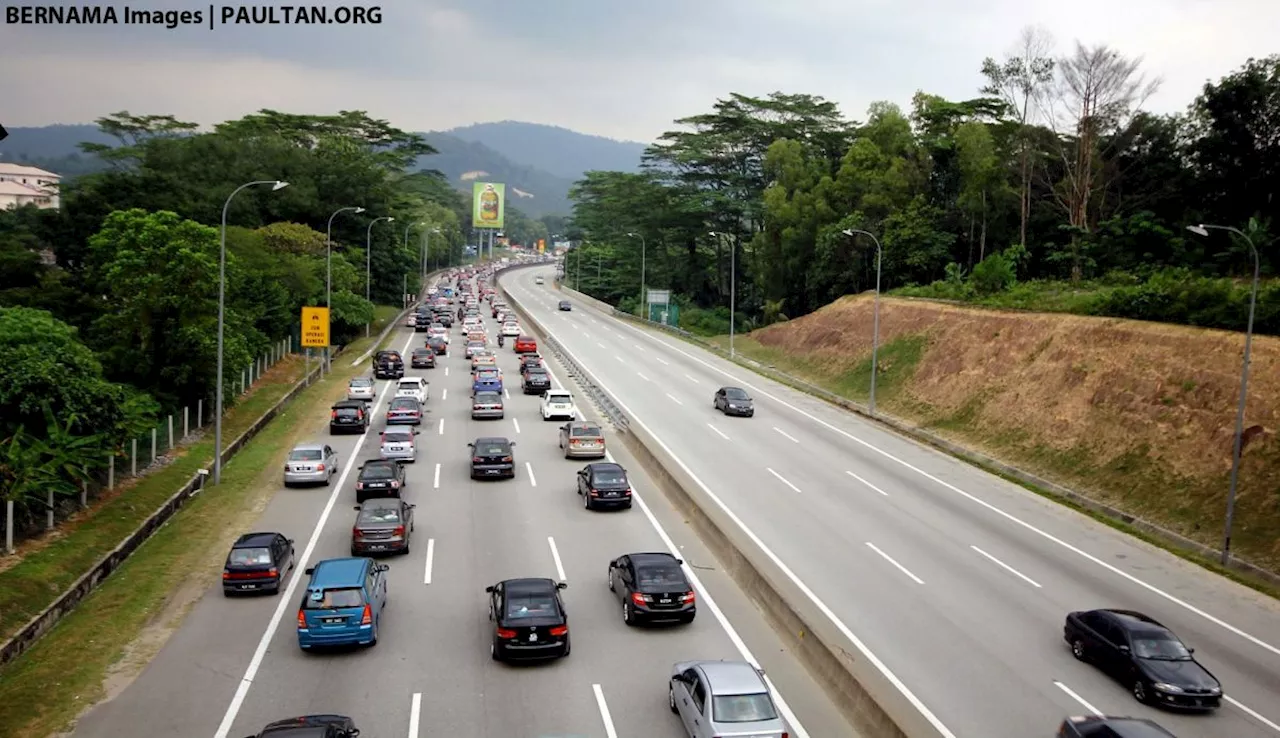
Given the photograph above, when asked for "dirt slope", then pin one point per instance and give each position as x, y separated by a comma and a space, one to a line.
1137, 415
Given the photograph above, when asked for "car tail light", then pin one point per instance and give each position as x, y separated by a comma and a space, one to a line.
575, 441
226, 575
333, 414
399, 531
357, 533
507, 458
641, 599
302, 620
359, 485
366, 618
688, 597
560, 630
320, 467
626, 492
395, 484
286, 467
477, 460
506, 633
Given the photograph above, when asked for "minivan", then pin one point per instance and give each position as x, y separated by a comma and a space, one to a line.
343, 603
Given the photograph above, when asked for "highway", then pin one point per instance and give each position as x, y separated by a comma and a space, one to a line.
234, 664
957, 580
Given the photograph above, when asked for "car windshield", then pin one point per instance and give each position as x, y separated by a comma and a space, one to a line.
742, 708
580, 432
377, 471
333, 598
305, 454
736, 394
660, 575
528, 605
397, 437
1159, 648
491, 449
380, 514
609, 476
250, 557
488, 398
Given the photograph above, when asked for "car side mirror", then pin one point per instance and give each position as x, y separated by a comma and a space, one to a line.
290, 540
471, 445
489, 589
679, 562
353, 733
1124, 649
1191, 650
513, 443
310, 570
562, 585
417, 433
384, 567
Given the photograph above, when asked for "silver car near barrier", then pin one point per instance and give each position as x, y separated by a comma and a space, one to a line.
718, 698
310, 463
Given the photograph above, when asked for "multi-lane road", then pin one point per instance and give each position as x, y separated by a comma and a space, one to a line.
234, 664
958, 581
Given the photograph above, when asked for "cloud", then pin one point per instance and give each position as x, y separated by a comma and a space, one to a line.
616, 68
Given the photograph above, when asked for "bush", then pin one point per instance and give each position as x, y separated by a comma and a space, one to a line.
993, 274
1178, 296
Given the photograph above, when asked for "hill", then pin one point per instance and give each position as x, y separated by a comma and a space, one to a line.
560, 151
534, 191
54, 148
1136, 415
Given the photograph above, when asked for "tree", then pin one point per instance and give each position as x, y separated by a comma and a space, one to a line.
981, 179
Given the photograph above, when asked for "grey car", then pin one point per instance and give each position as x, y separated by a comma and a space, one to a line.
310, 463
360, 388
487, 405
716, 698
399, 444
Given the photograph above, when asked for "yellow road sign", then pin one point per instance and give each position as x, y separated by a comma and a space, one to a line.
315, 327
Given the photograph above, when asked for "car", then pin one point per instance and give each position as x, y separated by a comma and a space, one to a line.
343, 603
415, 387
653, 588
486, 379
444, 318
558, 403
510, 328
438, 329
399, 445
439, 345
257, 562
537, 280
422, 323
482, 357
361, 388
1102, 726
388, 365
379, 478
565, 306
535, 381
411, 320
529, 620
478, 334
404, 411
348, 416
531, 360
487, 405
604, 484
472, 347
310, 726
492, 457
734, 401
525, 345
310, 463
422, 358
582, 439
715, 698
383, 525
1143, 655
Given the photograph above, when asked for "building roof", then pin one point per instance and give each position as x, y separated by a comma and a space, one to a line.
22, 170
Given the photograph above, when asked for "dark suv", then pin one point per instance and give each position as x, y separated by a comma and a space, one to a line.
311, 726
388, 365
349, 416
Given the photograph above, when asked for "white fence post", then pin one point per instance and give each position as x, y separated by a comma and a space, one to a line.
49, 512
170, 431
186, 421
84, 493
242, 384
200, 413
133, 459
111, 472
153, 445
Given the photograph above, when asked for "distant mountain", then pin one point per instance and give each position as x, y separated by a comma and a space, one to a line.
54, 148
534, 191
560, 151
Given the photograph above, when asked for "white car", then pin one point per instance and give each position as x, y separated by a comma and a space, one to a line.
411, 320
511, 329
360, 388
399, 444
558, 404
415, 387
469, 321
438, 331
537, 280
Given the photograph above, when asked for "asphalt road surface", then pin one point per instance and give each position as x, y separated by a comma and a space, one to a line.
234, 664
957, 580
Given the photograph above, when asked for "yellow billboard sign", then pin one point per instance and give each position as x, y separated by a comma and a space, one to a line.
315, 327
542, 245
488, 205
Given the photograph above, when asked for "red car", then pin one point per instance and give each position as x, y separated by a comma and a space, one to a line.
526, 345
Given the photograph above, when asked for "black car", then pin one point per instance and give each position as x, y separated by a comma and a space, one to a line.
349, 416
444, 318
258, 562
1143, 655
388, 365
604, 484
734, 401
423, 358
379, 479
1101, 726
492, 457
532, 360
565, 306
383, 525
529, 620
422, 324
652, 587
438, 345
311, 726
535, 381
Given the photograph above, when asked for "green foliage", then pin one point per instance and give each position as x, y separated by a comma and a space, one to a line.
1179, 296
993, 274
351, 313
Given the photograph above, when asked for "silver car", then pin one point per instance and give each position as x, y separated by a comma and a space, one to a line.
310, 463
486, 405
716, 698
399, 444
360, 388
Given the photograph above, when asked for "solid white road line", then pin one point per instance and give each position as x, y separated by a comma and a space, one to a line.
869, 484
889, 558
1007, 568
1252, 714
444, 394
286, 600
516, 423
442, 426
675, 399
555, 556
609, 730
436, 484
717, 430
1071, 693
415, 714
533, 481
782, 479
638, 374
786, 435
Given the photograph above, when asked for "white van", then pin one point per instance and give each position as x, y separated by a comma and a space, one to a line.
415, 387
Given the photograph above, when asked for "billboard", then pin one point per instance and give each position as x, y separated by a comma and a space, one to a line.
488, 204
542, 245
315, 327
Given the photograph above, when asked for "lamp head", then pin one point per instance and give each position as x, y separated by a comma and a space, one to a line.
279, 185
1199, 230
359, 210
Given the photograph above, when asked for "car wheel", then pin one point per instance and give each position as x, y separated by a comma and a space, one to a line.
494, 653
1140, 691
611, 587
287, 485
374, 641
671, 699
586, 501
354, 552
1077, 649
628, 617
328, 480
568, 645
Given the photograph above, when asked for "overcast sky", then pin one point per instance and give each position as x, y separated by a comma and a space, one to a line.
609, 67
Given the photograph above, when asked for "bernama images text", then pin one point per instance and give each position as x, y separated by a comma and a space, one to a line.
227, 15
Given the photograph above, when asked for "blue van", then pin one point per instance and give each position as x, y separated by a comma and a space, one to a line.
343, 603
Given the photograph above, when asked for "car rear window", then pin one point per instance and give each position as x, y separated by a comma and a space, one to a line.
305, 454
380, 471
555, 397
742, 708
362, 383
660, 576
421, 352
487, 398
250, 556
410, 386
491, 449
379, 515
531, 606
404, 403
328, 599
397, 436
348, 412
578, 432
609, 476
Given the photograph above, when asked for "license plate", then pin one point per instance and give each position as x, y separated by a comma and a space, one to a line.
249, 586
533, 637
665, 601
301, 469
493, 471
377, 547
333, 621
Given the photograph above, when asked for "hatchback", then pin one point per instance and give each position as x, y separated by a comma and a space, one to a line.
257, 562
382, 526
529, 620
716, 698
399, 445
558, 404
349, 416
652, 587
492, 457
734, 401
582, 439
535, 381
311, 726
343, 603
310, 463
511, 328
439, 345
486, 379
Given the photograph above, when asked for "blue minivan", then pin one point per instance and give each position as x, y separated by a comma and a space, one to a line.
343, 603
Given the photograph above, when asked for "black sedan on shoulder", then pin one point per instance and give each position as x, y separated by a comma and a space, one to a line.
258, 562
493, 457
1143, 655
652, 587
383, 525
734, 401
423, 358
529, 620
379, 479
311, 726
1102, 726
604, 484
565, 306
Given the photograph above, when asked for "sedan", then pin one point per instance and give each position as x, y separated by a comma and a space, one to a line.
382, 526
1143, 655
529, 620
422, 358
404, 411
1101, 726
526, 345
379, 479
716, 698
258, 562
472, 348
604, 484
310, 463
438, 330
734, 401
311, 726
360, 388
492, 457
582, 439
399, 445
438, 345
511, 328
565, 306
652, 587
487, 405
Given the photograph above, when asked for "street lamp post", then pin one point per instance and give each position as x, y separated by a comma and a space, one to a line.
733, 284
644, 307
426, 251
1236, 446
407, 228
368, 261
328, 271
875, 319
577, 279
222, 303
